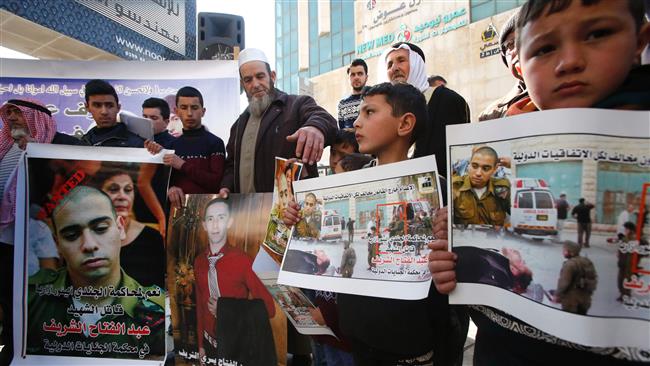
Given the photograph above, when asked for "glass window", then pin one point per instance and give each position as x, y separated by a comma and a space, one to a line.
278, 9
294, 41
348, 40
294, 16
335, 16
294, 62
347, 14
503, 5
313, 54
337, 62
325, 67
543, 200
481, 9
313, 21
287, 65
336, 45
347, 59
278, 68
286, 49
325, 48
286, 20
525, 200
294, 84
337, 220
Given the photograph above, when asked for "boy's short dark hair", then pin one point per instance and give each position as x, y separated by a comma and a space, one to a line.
188, 91
630, 226
99, 87
356, 161
434, 78
159, 103
346, 135
533, 9
358, 62
403, 98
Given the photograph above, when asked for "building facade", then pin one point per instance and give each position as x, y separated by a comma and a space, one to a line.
316, 41
100, 30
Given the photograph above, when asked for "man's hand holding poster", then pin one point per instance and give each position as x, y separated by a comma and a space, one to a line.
365, 232
98, 296
547, 218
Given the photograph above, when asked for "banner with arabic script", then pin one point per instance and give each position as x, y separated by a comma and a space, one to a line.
365, 232
547, 217
91, 255
60, 86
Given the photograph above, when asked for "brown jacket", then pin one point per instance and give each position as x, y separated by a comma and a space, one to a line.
499, 107
285, 115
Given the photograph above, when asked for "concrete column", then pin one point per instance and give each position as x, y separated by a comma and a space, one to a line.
323, 17
303, 35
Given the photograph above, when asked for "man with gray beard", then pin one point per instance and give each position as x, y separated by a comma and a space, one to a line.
274, 124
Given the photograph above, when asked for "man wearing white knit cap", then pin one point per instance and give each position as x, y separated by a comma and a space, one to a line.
274, 124
405, 63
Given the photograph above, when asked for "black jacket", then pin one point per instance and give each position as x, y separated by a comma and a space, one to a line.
285, 115
446, 107
116, 136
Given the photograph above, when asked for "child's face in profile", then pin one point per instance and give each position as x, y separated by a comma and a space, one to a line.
578, 56
376, 127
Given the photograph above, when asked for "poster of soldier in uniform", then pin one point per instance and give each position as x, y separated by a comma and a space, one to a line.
277, 233
545, 216
93, 257
380, 249
221, 311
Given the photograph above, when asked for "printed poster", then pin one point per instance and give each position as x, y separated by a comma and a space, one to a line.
92, 260
365, 232
277, 233
295, 305
559, 236
216, 298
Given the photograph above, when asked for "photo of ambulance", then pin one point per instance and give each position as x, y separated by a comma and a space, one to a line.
330, 228
532, 209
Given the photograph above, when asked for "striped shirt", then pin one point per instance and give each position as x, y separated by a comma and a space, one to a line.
7, 166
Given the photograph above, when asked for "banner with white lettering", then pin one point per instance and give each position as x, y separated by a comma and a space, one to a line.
60, 86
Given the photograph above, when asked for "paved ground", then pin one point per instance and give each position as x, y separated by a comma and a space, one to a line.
544, 258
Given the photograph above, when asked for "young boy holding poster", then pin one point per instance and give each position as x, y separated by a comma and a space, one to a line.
573, 54
389, 331
580, 54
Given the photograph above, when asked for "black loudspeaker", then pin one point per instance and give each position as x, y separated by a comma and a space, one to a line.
218, 35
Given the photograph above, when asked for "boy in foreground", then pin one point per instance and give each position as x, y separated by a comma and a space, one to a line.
421, 332
574, 53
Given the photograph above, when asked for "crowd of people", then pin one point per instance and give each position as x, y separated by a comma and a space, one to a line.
561, 53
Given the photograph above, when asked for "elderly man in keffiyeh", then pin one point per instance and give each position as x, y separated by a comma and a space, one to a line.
24, 120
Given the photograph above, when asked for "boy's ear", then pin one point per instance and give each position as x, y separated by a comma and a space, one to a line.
643, 39
406, 124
